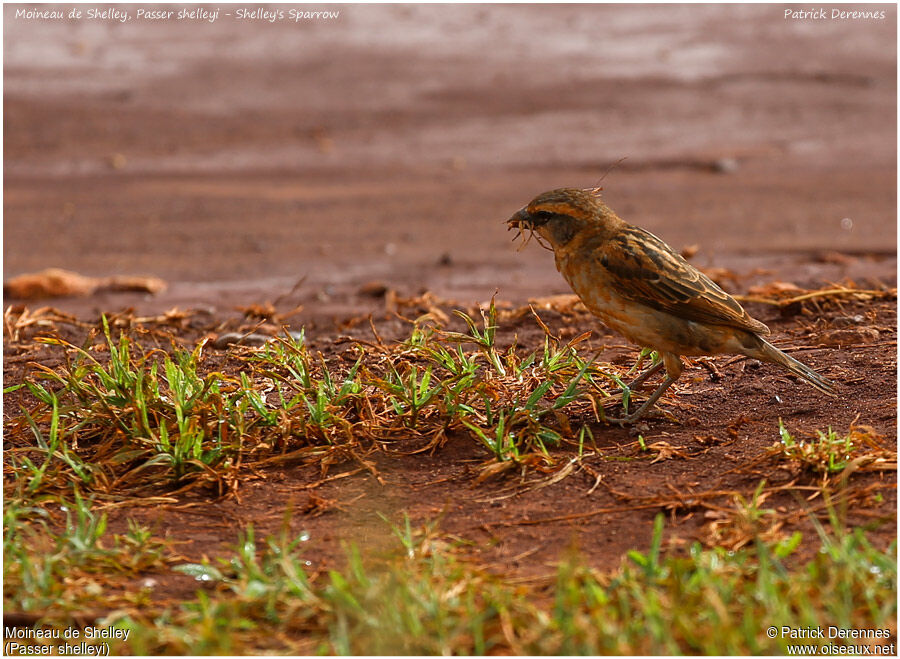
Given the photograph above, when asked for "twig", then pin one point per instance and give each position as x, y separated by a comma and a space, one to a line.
815, 294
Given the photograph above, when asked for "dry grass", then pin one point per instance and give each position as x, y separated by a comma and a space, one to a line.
126, 415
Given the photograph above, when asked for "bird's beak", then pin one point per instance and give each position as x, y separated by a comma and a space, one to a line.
521, 220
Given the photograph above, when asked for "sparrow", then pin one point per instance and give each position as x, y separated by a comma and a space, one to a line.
641, 288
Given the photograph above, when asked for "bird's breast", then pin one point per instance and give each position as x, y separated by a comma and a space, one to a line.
591, 283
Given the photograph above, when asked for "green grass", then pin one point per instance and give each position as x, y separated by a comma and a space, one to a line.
829, 453
117, 417
426, 595
60, 563
119, 421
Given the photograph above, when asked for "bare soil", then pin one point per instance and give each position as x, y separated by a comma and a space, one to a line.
330, 166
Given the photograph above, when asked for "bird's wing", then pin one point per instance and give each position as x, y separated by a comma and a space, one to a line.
646, 270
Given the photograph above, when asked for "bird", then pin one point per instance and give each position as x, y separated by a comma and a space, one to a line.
641, 288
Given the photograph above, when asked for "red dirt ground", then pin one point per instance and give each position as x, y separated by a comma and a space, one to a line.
295, 164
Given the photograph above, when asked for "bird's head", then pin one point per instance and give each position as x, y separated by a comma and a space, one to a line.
558, 215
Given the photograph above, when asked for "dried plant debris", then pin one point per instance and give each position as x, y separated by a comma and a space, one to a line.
830, 453
140, 416
787, 294
55, 282
118, 416
222, 422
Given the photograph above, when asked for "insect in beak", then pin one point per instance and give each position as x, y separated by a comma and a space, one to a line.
524, 220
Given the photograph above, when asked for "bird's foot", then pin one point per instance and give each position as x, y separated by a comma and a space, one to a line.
629, 419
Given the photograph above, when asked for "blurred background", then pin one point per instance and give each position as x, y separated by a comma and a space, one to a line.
390, 143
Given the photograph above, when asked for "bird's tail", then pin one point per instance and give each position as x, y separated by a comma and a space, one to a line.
769, 353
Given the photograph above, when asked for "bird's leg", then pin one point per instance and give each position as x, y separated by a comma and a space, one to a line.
650, 402
650, 372
673, 366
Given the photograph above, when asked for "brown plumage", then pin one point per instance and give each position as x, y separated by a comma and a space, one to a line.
638, 286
